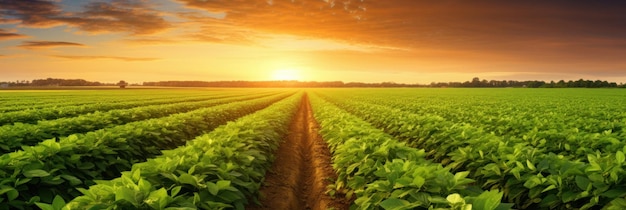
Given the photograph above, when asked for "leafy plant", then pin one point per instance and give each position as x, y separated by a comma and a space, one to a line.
385, 173
13, 137
219, 170
57, 168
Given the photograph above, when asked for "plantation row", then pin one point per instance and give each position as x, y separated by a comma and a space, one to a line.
532, 171
384, 173
221, 169
16, 101
41, 103
14, 136
58, 167
33, 115
576, 124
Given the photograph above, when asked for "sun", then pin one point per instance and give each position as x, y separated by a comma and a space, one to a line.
286, 74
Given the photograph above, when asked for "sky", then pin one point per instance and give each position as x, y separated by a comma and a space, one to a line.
403, 41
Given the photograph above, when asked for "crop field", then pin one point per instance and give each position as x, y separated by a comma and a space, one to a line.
381, 148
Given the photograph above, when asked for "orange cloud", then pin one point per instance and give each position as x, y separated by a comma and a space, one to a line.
126, 16
6, 35
81, 57
48, 44
515, 30
32, 13
150, 41
135, 17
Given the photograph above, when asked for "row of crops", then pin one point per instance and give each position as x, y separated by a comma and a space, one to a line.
392, 148
540, 150
48, 162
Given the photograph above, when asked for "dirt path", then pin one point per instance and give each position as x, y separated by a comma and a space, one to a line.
301, 171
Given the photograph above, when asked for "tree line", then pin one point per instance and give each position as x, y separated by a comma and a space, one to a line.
474, 83
54, 82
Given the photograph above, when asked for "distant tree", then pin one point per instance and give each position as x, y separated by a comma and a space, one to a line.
476, 82
122, 84
484, 83
552, 84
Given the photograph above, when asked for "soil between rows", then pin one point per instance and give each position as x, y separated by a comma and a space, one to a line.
301, 171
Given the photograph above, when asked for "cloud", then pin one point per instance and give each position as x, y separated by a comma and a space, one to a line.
519, 29
131, 16
48, 44
6, 35
82, 57
150, 41
124, 16
31, 13
210, 29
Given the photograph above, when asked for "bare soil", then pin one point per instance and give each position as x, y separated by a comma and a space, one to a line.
301, 171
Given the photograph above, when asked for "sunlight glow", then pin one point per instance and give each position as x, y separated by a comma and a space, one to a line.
286, 74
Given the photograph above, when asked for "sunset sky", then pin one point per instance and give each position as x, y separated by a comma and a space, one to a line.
405, 41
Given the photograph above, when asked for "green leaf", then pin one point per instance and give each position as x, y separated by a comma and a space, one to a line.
22, 181
72, 179
516, 173
126, 194
136, 174
36, 173
231, 197
218, 205
419, 181
212, 187
461, 175
394, 203
619, 156
455, 198
192, 169
582, 182
617, 204
58, 202
549, 201
188, 179
223, 184
532, 182
11, 192
568, 196
488, 200
4, 189
157, 199
144, 186
175, 191
530, 165
33, 199
614, 193
44, 206
53, 180
86, 166
551, 187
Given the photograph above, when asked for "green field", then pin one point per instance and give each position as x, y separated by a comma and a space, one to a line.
390, 148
